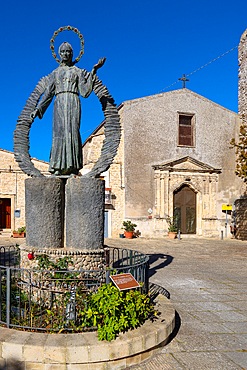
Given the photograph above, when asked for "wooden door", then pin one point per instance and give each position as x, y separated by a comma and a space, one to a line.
5, 213
185, 209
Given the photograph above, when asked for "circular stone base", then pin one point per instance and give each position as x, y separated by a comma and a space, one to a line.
62, 351
89, 259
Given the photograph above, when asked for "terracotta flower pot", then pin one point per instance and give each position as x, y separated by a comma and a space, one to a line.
19, 235
128, 234
172, 234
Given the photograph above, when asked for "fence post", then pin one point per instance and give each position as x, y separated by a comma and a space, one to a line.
107, 257
107, 263
8, 295
146, 271
131, 258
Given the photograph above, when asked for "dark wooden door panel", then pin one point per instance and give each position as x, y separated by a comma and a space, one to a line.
185, 209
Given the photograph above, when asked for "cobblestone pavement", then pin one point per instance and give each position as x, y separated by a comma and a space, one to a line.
207, 282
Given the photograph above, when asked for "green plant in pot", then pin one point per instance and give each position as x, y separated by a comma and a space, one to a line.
172, 227
20, 232
129, 228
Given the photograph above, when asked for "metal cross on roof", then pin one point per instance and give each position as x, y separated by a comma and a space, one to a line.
184, 80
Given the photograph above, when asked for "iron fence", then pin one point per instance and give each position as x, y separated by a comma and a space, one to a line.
9, 255
48, 300
44, 299
126, 260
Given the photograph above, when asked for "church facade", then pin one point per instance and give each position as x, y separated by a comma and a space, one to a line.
174, 160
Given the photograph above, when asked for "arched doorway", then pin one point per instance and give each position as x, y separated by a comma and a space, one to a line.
184, 209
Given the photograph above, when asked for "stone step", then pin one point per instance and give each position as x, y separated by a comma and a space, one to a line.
5, 233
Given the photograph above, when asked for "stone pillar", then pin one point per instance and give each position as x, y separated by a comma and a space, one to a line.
157, 192
162, 195
44, 212
242, 82
214, 191
166, 193
84, 212
241, 218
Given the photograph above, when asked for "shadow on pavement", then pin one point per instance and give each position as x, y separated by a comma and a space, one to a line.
162, 259
176, 328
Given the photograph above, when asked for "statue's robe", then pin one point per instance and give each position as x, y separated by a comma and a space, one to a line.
66, 83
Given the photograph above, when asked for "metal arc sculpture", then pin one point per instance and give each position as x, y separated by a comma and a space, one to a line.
111, 125
111, 122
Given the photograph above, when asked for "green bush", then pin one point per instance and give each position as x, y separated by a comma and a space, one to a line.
113, 311
108, 310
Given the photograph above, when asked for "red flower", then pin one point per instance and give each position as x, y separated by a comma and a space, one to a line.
30, 255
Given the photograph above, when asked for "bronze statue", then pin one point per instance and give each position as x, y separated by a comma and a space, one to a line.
66, 83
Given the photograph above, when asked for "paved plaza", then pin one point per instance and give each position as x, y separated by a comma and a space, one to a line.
207, 282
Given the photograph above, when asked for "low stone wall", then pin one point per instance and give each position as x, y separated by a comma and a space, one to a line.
241, 218
83, 351
92, 259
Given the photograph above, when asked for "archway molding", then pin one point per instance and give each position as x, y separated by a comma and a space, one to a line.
169, 177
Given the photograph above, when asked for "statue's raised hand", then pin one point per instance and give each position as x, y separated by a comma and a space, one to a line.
100, 63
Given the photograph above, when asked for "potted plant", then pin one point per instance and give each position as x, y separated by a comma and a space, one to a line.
129, 228
172, 227
20, 232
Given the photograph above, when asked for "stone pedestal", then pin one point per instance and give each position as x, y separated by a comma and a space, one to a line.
84, 213
44, 212
73, 207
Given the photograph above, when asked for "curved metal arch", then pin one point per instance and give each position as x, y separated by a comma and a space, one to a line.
21, 133
112, 130
110, 143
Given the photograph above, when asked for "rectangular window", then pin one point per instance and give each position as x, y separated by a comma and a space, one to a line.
185, 130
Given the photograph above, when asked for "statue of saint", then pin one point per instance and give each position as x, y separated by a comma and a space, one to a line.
66, 83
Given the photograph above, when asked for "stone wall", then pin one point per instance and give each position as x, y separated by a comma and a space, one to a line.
242, 84
114, 178
12, 185
241, 218
92, 148
151, 138
87, 260
241, 204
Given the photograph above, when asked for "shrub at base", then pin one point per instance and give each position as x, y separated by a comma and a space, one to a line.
114, 311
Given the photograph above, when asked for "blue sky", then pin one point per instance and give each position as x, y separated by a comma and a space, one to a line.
148, 46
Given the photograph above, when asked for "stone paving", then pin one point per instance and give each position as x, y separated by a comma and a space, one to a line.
207, 282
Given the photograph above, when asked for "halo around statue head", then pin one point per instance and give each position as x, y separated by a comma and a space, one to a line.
67, 28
